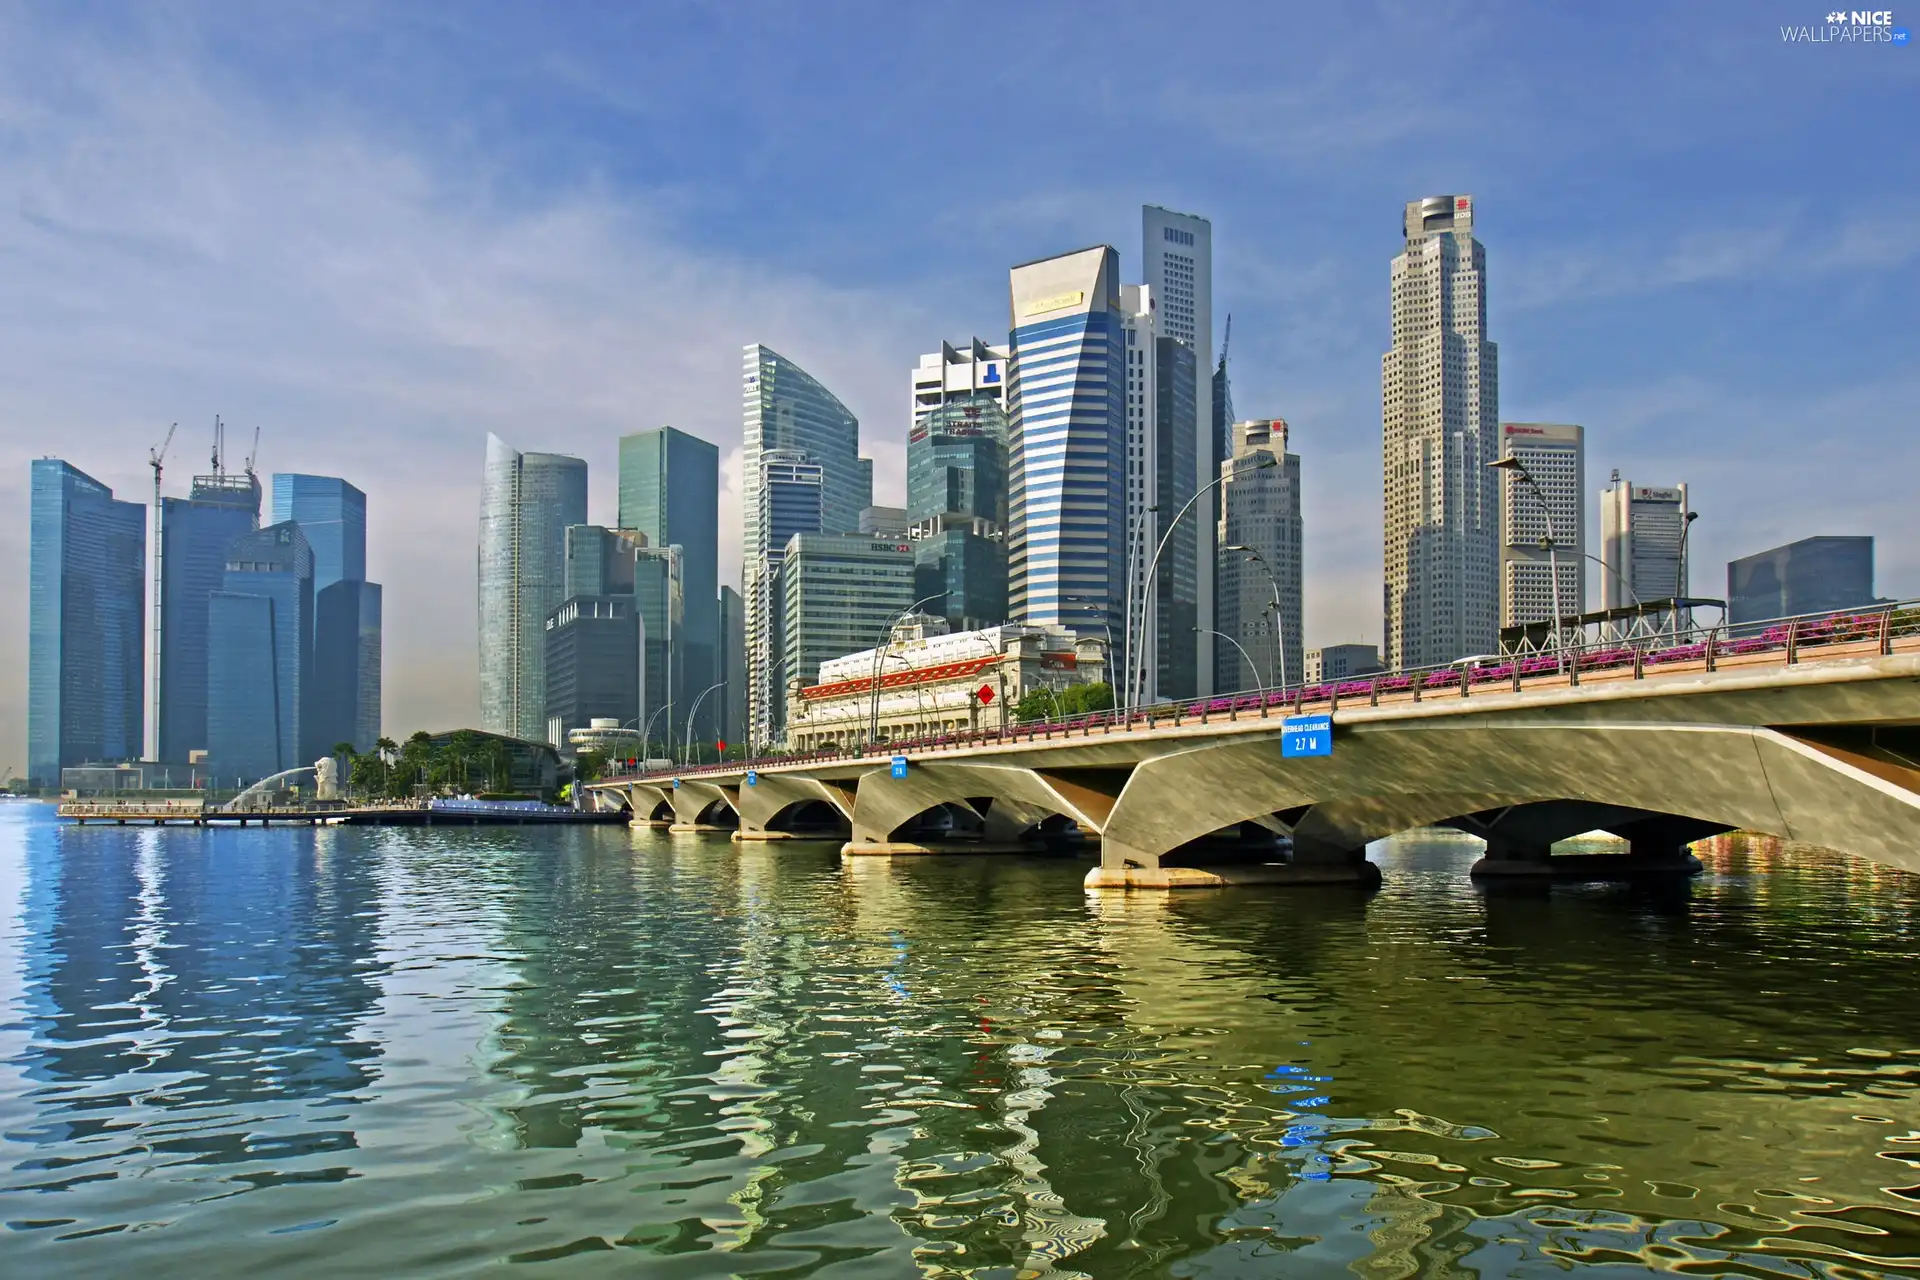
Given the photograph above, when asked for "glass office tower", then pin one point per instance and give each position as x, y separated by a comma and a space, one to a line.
670, 492
332, 514
527, 501
260, 658
85, 598
195, 533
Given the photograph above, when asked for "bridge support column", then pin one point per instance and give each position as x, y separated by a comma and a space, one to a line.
1312, 864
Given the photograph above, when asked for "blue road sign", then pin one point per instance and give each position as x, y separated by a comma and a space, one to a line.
1306, 736
753, 779
676, 784
899, 766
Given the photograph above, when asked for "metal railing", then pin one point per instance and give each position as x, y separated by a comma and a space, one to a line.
1837, 633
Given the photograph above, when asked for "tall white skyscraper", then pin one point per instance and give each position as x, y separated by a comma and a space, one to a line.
527, 500
1176, 262
1136, 315
1555, 455
1643, 543
1259, 510
1440, 418
1162, 378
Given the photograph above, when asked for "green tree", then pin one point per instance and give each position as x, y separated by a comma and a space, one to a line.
590, 766
1060, 704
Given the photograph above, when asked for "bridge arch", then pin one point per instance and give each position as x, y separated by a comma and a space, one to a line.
1385, 778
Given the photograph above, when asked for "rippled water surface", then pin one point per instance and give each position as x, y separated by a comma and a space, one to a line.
595, 1051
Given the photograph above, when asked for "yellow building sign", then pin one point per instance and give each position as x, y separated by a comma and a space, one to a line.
1058, 302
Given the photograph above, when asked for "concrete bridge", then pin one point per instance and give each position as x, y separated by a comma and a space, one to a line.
1815, 743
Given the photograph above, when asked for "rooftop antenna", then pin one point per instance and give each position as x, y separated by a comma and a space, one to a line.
219, 437
157, 459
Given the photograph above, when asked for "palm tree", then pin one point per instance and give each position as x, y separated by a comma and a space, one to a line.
385, 748
346, 755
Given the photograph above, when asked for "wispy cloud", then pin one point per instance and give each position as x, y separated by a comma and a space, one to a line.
178, 249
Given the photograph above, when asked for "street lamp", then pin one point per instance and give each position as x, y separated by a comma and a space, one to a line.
879, 648
1136, 667
1276, 669
646, 734
1513, 463
689, 748
1251, 669
1136, 543
1686, 527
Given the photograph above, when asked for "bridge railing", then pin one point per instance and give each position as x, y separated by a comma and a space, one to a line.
1878, 629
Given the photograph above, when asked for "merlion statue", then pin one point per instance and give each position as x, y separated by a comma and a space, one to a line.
326, 781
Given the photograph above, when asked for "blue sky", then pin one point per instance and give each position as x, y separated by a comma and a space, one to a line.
378, 232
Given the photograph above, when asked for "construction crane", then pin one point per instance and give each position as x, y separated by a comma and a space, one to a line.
157, 459
255, 454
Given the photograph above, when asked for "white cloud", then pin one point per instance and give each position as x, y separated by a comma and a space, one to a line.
177, 250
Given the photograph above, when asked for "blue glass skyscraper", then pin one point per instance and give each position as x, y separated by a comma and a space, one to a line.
86, 593
1067, 403
260, 658
332, 515
195, 533
670, 492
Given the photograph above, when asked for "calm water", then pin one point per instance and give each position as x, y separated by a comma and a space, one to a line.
592, 1052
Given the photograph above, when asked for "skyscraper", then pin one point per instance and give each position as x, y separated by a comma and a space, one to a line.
1643, 543
1161, 386
526, 503
1066, 497
842, 590
260, 657
787, 408
195, 533
974, 375
670, 492
732, 666
1260, 510
1555, 455
789, 497
591, 643
85, 600
957, 503
332, 515
1176, 262
788, 413
1440, 412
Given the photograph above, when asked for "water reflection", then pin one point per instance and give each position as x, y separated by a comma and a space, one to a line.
434, 1050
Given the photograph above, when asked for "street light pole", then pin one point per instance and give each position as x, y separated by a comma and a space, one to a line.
1686, 528
1136, 668
1277, 668
879, 648
1513, 463
687, 747
1136, 538
1251, 669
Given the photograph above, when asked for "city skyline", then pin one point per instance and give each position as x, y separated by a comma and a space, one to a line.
854, 298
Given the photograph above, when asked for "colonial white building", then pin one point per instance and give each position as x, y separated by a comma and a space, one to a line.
934, 681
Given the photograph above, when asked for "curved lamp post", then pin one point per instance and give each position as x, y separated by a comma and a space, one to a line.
646, 734
1277, 669
1253, 670
1513, 463
1136, 667
879, 648
689, 748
